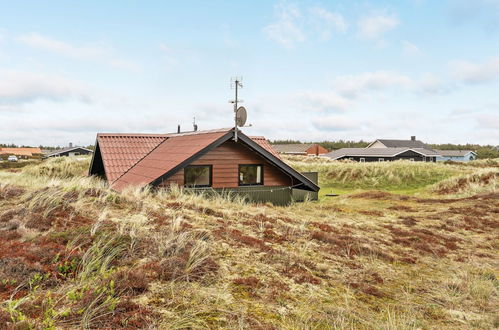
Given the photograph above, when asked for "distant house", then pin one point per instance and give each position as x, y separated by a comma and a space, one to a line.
456, 155
386, 143
383, 154
68, 152
20, 152
310, 149
202, 161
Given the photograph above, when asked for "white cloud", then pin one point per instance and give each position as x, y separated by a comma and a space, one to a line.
488, 121
293, 26
353, 85
287, 30
24, 87
335, 123
474, 73
410, 49
99, 53
433, 85
326, 22
323, 101
375, 26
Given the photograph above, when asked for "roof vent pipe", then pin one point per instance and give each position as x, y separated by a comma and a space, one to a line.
413, 138
71, 144
178, 129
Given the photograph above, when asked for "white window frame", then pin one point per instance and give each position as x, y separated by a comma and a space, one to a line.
411, 159
381, 159
362, 160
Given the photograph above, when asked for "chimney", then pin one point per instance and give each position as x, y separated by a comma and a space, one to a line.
195, 127
71, 144
413, 138
178, 129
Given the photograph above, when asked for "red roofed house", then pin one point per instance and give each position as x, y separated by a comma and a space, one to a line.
201, 160
21, 152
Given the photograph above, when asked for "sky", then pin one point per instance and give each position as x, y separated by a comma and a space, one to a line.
312, 70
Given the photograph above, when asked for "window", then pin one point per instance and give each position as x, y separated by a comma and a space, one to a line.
362, 160
381, 159
250, 175
198, 176
411, 159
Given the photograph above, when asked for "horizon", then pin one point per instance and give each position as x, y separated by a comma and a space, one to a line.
312, 70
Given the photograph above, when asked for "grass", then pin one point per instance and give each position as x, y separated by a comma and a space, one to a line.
75, 254
400, 176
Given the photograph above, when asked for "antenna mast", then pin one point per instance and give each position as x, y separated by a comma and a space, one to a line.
236, 83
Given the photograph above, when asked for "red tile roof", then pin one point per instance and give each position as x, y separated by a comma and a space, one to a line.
265, 144
166, 156
121, 151
21, 151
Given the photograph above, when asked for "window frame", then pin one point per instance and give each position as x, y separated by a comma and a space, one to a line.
249, 184
198, 186
362, 160
381, 159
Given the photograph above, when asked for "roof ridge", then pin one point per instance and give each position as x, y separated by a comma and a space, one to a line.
165, 138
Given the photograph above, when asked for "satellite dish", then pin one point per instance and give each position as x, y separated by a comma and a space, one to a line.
241, 116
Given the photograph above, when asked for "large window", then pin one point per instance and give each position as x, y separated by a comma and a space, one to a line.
250, 175
197, 176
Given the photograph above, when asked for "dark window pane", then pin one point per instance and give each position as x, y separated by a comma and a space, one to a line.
250, 174
196, 176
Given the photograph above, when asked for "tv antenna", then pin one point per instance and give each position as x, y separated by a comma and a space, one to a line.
240, 114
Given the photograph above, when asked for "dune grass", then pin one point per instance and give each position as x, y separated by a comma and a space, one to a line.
398, 176
75, 254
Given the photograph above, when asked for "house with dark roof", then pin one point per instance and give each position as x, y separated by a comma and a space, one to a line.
310, 149
456, 155
387, 143
383, 154
212, 161
68, 152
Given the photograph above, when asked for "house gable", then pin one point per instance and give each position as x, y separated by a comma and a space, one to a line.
225, 160
376, 144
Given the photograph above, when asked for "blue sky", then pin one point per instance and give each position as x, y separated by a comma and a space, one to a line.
312, 70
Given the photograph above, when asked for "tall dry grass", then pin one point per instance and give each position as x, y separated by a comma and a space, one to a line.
398, 175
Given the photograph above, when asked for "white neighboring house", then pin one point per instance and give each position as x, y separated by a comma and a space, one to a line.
456, 155
69, 152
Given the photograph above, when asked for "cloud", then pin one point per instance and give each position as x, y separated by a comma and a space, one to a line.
473, 73
287, 30
326, 22
323, 101
375, 26
98, 53
24, 87
410, 49
354, 85
433, 85
335, 123
488, 121
292, 26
